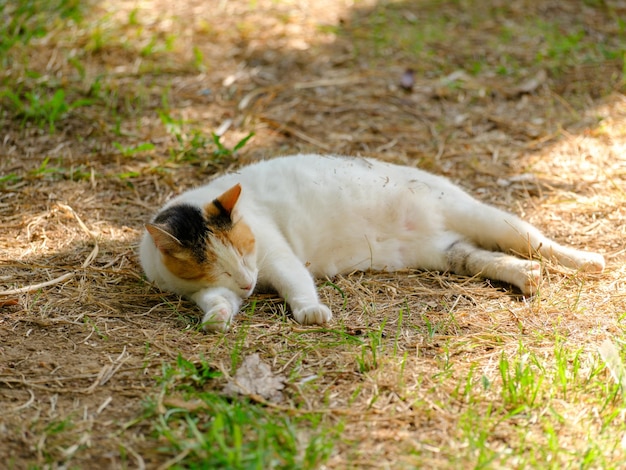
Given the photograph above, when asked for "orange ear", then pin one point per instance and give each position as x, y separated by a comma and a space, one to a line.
164, 241
225, 203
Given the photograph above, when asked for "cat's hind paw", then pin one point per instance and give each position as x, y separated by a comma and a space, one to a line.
530, 277
590, 262
524, 274
313, 314
584, 261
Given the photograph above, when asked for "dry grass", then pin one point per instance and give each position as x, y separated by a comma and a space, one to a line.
411, 369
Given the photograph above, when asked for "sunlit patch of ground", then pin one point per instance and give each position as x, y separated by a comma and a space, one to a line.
521, 104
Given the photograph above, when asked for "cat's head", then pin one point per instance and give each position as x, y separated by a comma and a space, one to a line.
209, 246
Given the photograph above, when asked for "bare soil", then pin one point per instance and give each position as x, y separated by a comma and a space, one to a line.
78, 358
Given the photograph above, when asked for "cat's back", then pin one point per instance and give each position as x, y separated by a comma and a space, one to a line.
331, 176
320, 186
311, 170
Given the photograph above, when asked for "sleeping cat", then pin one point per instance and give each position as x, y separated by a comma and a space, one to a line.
283, 222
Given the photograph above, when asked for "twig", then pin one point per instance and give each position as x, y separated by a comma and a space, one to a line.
91, 234
170, 463
86, 263
34, 287
281, 127
82, 225
331, 82
107, 372
25, 405
141, 464
104, 405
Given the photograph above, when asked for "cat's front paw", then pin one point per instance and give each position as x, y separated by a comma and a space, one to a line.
313, 314
219, 306
218, 317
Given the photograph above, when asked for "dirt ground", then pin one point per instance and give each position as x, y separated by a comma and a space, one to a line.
546, 140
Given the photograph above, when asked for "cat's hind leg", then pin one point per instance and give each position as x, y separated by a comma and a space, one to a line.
466, 259
586, 261
494, 229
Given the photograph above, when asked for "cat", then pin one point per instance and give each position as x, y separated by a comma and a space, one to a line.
283, 222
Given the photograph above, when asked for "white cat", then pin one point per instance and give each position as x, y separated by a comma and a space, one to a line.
280, 223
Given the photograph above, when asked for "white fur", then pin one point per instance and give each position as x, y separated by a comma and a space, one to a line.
316, 216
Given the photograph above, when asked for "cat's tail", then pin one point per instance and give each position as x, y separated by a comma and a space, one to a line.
494, 229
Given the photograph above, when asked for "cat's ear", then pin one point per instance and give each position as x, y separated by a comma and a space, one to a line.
164, 240
224, 203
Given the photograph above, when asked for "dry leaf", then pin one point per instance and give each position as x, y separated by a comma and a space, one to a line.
519, 180
255, 377
180, 402
531, 84
610, 355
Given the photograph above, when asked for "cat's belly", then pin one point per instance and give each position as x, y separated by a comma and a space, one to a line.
377, 254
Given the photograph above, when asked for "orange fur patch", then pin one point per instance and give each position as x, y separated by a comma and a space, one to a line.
185, 266
242, 238
227, 200
211, 210
230, 198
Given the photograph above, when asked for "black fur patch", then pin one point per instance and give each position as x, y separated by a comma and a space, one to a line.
221, 221
220, 208
187, 224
